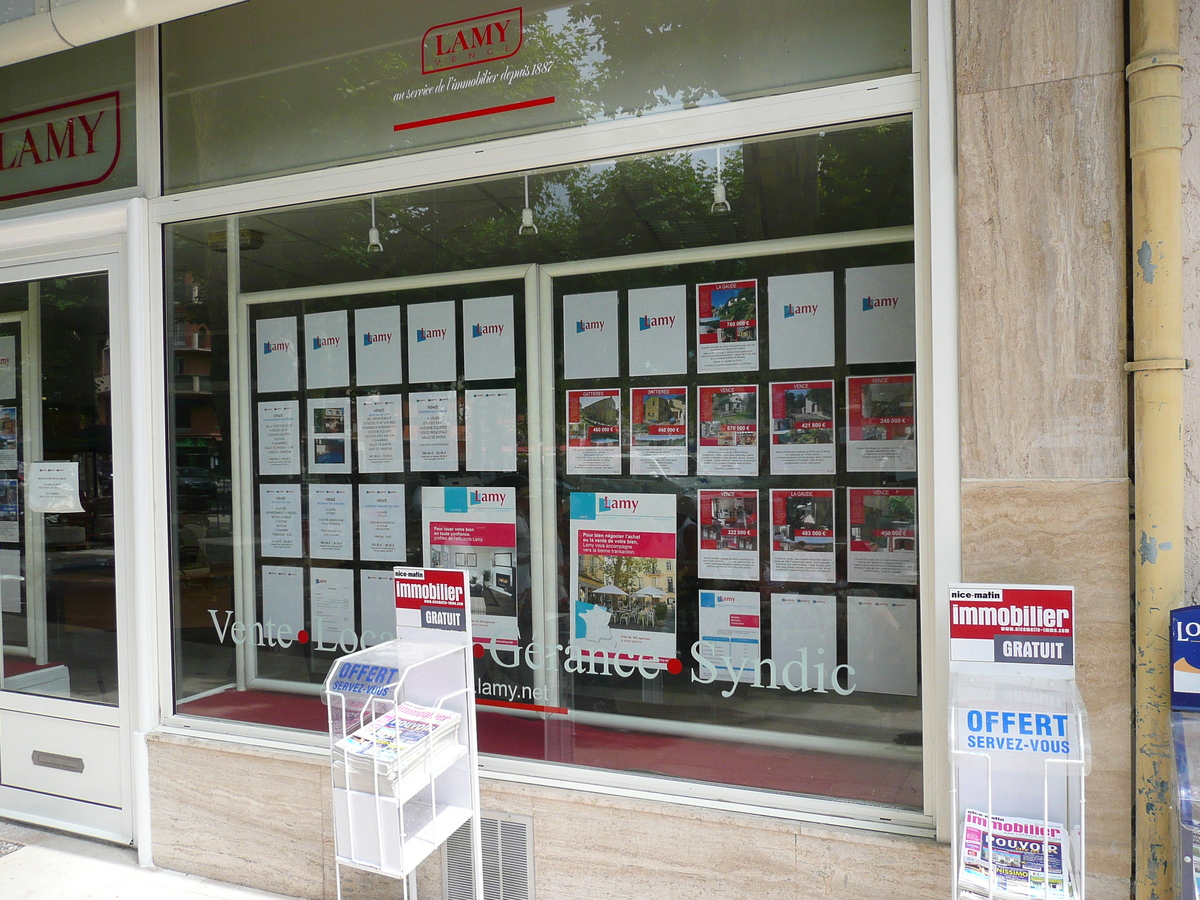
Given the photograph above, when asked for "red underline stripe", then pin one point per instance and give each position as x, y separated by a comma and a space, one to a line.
489, 111
481, 701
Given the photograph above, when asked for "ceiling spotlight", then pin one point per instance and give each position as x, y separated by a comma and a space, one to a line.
527, 226
373, 241
720, 205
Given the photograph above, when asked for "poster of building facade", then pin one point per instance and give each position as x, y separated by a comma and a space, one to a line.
594, 432
802, 428
727, 326
729, 535
802, 536
624, 579
476, 529
728, 429
882, 545
881, 424
658, 431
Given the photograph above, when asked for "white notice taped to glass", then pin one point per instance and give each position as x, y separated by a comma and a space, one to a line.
330, 518
380, 433
332, 605
801, 317
8, 367
881, 644
52, 487
283, 601
658, 331
492, 430
327, 353
279, 520
276, 354
433, 431
804, 636
279, 438
381, 524
432, 349
590, 335
378, 592
488, 344
377, 346
881, 314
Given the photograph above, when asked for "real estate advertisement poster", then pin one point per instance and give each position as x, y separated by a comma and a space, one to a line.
476, 529
881, 643
802, 428
594, 432
490, 417
731, 634
728, 429
380, 433
802, 536
433, 431
280, 520
658, 431
329, 435
727, 326
330, 521
882, 546
803, 636
624, 578
432, 349
881, 425
729, 535
279, 437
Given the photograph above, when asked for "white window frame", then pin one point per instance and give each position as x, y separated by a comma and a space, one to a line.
928, 96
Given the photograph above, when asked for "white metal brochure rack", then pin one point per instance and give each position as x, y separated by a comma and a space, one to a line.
388, 821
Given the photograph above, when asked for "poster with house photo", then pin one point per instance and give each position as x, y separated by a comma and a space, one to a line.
881, 424
728, 429
594, 432
727, 326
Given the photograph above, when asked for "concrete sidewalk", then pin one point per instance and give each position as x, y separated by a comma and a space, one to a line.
45, 865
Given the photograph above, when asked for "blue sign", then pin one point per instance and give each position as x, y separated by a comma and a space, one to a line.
1185, 658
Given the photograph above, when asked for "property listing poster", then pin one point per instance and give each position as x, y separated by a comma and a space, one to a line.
433, 431
381, 513
10, 511
727, 326
279, 437
623, 580
329, 435
658, 431
488, 344
490, 418
881, 314
280, 520
729, 535
326, 350
731, 634
802, 536
282, 600
881, 424
802, 428
377, 590
728, 429
883, 535
590, 335
432, 350
804, 632
276, 355
594, 432
377, 346
658, 331
881, 643
9, 437
380, 433
332, 595
800, 310
330, 521
11, 581
476, 529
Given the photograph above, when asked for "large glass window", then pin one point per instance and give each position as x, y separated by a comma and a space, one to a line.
664, 415
272, 86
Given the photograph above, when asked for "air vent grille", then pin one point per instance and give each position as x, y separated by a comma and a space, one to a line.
507, 860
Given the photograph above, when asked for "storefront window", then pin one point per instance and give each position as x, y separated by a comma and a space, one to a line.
273, 86
67, 124
665, 419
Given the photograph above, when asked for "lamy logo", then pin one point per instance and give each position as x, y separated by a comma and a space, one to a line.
469, 42
870, 303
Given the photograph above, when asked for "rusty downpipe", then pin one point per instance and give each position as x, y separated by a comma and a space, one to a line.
1154, 77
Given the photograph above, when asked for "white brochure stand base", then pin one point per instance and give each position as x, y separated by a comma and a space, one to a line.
1019, 751
393, 809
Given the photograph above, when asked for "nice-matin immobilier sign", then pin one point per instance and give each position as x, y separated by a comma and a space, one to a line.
1013, 626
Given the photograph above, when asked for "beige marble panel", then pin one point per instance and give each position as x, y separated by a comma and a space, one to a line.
1073, 532
249, 817
1020, 42
1042, 260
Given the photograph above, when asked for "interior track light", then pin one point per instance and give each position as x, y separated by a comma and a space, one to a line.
527, 226
373, 241
720, 205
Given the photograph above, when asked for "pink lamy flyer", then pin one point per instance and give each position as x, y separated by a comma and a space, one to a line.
727, 326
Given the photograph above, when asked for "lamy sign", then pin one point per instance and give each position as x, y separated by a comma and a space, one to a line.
61, 147
469, 42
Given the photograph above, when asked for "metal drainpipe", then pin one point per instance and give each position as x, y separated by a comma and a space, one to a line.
1155, 148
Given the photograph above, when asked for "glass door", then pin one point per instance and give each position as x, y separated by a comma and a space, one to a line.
62, 757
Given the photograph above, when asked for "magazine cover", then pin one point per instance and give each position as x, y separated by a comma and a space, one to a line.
594, 432
881, 424
1025, 857
623, 580
729, 535
727, 326
802, 536
658, 431
802, 428
728, 418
